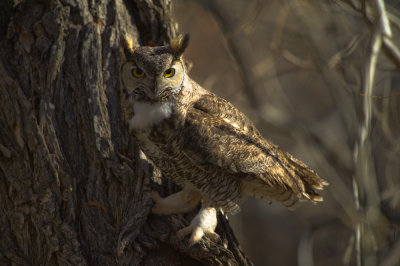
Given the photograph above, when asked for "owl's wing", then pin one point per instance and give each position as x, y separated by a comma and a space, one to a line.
217, 135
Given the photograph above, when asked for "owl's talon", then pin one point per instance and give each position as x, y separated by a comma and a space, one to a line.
196, 236
158, 206
157, 210
203, 223
213, 236
155, 196
183, 232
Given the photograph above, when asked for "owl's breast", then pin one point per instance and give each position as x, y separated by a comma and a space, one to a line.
147, 114
158, 137
160, 144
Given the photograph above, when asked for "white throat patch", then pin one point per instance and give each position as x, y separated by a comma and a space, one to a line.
147, 114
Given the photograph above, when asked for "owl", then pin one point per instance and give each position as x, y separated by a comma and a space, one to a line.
203, 143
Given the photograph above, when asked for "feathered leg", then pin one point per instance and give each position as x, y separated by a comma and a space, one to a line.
180, 202
204, 223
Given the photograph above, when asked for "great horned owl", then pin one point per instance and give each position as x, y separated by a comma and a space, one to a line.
203, 143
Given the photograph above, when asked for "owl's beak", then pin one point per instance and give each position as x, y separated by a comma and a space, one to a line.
152, 91
158, 92
163, 93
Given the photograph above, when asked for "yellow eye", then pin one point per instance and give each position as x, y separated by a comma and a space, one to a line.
137, 72
170, 72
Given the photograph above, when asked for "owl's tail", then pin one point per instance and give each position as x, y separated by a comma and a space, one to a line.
303, 182
288, 181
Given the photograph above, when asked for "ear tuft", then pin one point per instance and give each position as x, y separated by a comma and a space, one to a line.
127, 45
179, 44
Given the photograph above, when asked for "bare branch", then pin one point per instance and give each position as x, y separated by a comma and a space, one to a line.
384, 21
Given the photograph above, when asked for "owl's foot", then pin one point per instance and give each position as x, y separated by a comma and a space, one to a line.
180, 202
203, 223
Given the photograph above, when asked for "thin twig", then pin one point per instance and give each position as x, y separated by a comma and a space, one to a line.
384, 21
386, 18
227, 27
365, 182
392, 51
305, 250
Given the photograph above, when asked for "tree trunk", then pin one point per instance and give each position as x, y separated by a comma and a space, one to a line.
72, 181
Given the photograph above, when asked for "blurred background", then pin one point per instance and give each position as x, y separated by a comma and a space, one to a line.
306, 74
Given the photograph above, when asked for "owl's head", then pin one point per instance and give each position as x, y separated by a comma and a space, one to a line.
154, 74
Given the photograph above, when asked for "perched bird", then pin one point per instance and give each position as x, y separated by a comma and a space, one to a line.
203, 143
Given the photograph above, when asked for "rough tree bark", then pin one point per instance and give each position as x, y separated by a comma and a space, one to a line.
72, 181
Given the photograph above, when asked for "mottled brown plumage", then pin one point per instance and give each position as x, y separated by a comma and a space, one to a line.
203, 143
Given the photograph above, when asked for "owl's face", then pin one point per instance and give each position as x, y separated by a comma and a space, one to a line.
153, 74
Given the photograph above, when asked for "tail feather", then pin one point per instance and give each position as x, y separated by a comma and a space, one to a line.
311, 180
288, 181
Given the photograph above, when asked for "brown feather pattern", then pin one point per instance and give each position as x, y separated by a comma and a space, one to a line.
207, 143
211, 145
